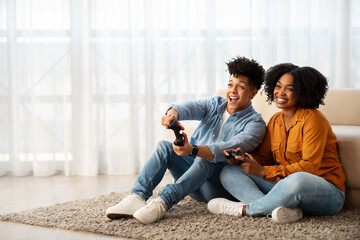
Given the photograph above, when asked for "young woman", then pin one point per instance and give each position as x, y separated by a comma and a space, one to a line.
296, 170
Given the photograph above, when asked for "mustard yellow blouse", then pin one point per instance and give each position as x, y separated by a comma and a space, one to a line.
309, 145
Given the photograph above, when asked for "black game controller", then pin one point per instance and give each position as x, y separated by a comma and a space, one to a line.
179, 141
232, 154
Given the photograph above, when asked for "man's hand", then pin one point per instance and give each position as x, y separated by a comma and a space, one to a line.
171, 115
183, 150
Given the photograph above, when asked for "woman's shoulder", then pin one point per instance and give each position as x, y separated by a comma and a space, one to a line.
315, 118
275, 117
313, 114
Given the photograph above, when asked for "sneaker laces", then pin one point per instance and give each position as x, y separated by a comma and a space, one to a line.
157, 205
231, 210
131, 197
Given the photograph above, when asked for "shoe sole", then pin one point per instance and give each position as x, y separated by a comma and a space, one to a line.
117, 216
288, 215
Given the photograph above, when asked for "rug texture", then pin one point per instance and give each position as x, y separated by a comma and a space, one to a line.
187, 220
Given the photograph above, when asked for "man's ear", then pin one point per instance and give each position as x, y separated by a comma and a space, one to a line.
253, 93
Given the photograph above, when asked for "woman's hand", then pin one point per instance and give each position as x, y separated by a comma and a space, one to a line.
250, 165
231, 160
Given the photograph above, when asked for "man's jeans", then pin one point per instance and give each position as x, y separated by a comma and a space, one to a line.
313, 194
195, 176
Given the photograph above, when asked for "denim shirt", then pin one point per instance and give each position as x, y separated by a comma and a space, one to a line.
245, 129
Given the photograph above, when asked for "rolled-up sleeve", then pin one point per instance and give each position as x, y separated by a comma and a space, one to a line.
248, 140
193, 110
244, 129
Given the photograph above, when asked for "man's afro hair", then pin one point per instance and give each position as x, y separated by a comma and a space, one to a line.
249, 68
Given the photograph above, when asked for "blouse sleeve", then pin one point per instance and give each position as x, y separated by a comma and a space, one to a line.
263, 153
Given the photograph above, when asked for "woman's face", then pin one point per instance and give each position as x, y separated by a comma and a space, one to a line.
239, 94
284, 96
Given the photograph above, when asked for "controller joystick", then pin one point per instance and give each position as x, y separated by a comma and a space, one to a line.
179, 141
233, 154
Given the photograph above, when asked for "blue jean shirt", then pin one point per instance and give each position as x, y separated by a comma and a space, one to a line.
245, 129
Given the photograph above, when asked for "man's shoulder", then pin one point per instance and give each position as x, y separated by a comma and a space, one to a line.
254, 113
250, 115
216, 101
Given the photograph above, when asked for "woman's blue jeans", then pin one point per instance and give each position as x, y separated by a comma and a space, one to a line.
313, 194
196, 177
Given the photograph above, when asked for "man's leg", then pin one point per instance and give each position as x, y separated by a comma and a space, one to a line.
190, 183
162, 158
191, 180
212, 188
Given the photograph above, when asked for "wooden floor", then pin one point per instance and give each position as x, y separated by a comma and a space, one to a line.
22, 193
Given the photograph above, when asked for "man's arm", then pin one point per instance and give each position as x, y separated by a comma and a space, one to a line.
204, 151
247, 140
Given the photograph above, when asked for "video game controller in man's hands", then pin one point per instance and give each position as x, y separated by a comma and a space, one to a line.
179, 141
232, 154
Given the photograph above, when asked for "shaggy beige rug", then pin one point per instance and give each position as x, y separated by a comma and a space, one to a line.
187, 220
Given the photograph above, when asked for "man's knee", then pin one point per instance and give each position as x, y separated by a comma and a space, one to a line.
163, 147
204, 164
163, 150
163, 144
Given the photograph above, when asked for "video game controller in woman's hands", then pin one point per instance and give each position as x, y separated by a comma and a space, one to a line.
233, 154
179, 141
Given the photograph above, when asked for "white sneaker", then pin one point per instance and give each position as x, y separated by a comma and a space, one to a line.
126, 207
286, 215
152, 212
224, 206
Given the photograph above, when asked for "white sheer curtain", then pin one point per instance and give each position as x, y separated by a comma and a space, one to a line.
83, 84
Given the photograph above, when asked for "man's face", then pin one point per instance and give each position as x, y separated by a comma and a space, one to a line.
239, 93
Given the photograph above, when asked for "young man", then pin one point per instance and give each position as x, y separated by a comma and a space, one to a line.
224, 124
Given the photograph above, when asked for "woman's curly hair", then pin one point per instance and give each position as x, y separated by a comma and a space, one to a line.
310, 86
249, 68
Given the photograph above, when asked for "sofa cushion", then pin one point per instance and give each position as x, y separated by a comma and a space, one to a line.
339, 114
349, 150
333, 109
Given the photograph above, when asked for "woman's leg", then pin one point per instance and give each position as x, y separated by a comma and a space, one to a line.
243, 186
313, 194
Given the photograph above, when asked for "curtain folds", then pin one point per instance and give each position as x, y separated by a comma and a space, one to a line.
83, 84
